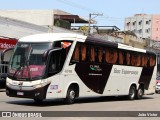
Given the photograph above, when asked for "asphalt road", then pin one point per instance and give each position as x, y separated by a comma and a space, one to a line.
104, 106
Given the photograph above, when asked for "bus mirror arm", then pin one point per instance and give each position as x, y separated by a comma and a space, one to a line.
45, 54
3, 53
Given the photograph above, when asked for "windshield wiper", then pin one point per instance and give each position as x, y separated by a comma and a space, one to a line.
21, 66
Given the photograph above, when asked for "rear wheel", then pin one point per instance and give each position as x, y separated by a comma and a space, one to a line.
132, 93
140, 92
71, 95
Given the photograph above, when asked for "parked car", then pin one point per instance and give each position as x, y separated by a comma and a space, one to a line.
158, 79
158, 87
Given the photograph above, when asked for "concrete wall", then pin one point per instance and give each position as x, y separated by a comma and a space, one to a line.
134, 41
37, 17
17, 29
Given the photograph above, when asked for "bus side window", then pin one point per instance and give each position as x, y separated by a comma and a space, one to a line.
144, 60
133, 60
152, 60
121, 58
124, 58
87, 53
92, 54
128, 58
83, 52
136, 59
75, 57
99, 54
111, 56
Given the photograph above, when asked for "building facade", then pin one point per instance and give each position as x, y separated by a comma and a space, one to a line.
144, 26
47, 18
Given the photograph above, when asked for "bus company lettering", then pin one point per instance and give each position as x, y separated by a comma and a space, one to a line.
95, 68
123, 71
33, 69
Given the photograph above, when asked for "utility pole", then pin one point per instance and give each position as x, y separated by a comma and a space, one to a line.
90, 18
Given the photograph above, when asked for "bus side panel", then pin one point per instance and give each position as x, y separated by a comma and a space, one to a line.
54, 87
121, 78
146, 76
151, 88
94, 76
118, 82
69, 76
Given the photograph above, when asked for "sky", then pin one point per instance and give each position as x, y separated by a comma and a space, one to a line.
114, 11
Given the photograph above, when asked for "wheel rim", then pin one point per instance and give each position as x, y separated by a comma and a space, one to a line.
72, 95
140, 92
132, 93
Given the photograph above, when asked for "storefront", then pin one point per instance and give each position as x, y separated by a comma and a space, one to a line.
6, 43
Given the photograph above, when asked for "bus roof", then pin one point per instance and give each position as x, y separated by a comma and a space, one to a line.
50, 37
126, 47
103, 42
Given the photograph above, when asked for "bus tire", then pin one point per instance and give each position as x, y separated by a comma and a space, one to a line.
71, 95
38, 100
132, 93
140, 92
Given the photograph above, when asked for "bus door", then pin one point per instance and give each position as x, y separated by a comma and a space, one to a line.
56, 63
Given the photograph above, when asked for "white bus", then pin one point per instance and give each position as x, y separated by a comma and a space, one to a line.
68, 66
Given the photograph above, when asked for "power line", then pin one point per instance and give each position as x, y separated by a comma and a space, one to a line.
90, 19
73, 4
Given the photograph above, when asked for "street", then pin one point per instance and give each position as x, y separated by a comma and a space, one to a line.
116, 104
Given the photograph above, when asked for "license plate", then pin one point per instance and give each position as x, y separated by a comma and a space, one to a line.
20, 93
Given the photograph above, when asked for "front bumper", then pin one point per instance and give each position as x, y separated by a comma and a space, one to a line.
39, 93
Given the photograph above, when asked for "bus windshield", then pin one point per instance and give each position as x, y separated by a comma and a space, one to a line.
27, 61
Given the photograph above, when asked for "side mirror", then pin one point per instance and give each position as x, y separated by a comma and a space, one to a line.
48, 52
45, 55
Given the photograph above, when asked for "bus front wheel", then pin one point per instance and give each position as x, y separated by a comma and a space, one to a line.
71, 95
132, 93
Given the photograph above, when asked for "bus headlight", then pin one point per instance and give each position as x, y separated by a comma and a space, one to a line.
37, 86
